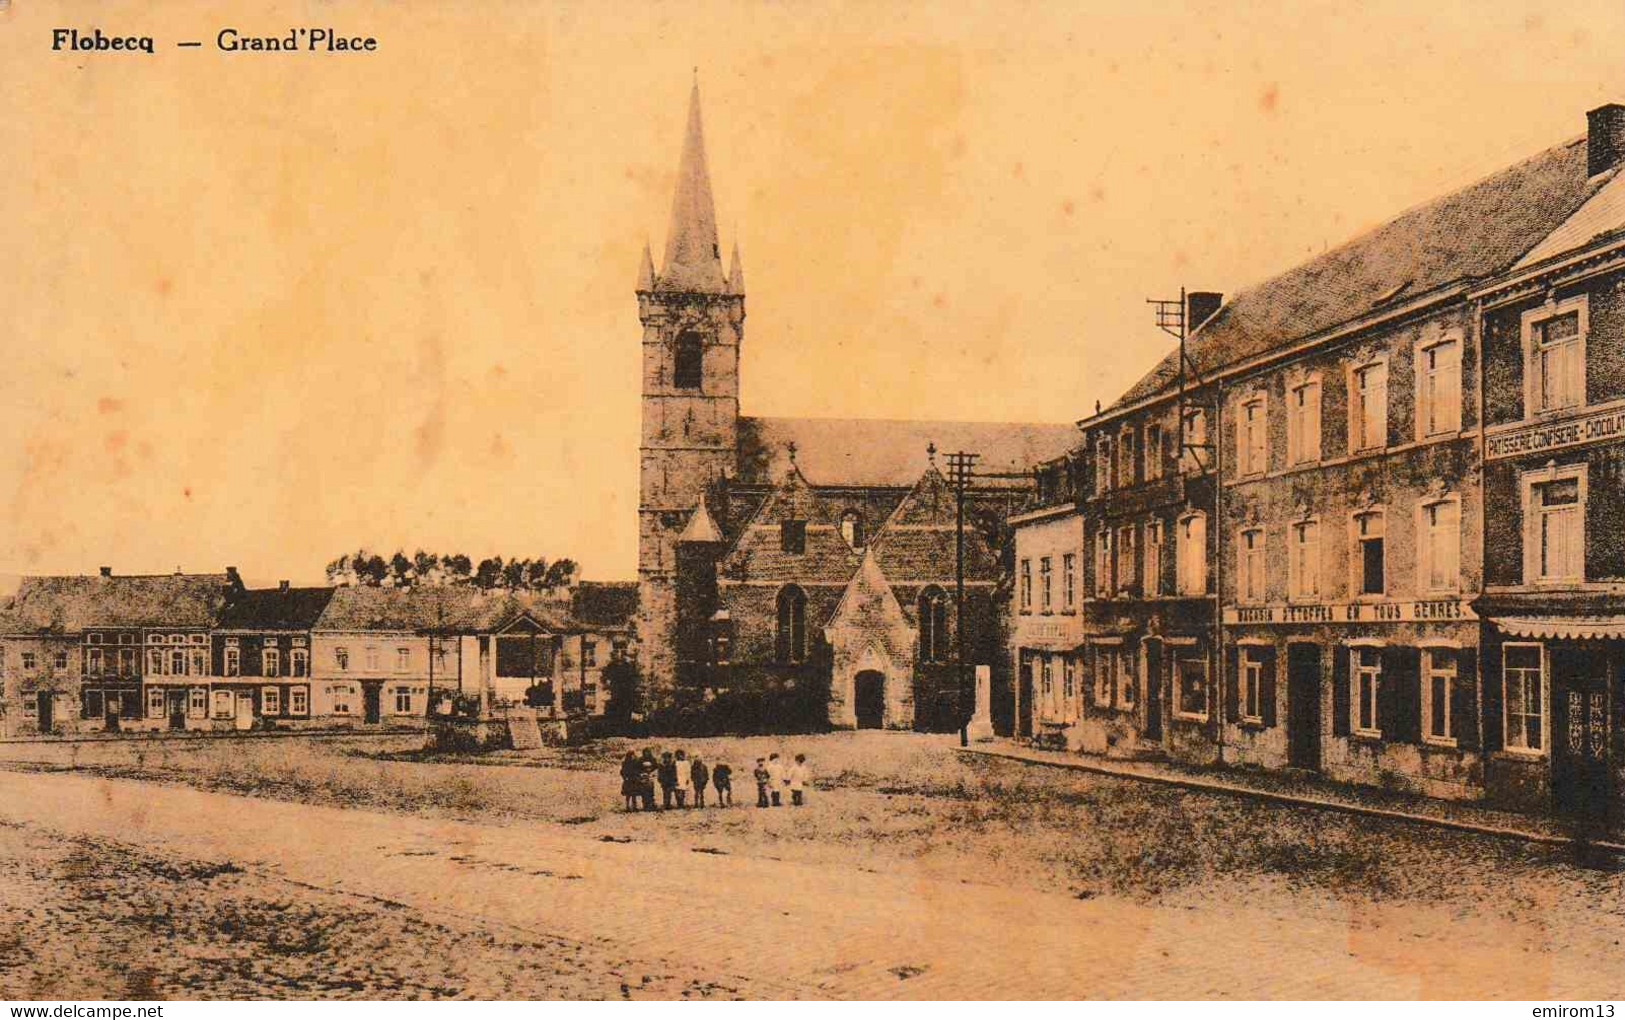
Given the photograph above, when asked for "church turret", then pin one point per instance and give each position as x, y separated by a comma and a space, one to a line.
693, 324
736, 273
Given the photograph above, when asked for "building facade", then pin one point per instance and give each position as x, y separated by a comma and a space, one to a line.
1410, 510
1554, 451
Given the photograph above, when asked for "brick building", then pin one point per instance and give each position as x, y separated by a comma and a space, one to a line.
1554, 489
1409, 519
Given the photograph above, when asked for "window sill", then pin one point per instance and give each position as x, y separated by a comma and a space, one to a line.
1372, 737
1252, 724
1441, 744
1190, 717
1517, 754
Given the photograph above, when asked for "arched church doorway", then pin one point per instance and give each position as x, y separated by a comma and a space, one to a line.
869, 699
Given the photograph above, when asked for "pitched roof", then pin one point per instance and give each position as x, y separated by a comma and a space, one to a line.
693, 258
919, 542
469, 610
879, 452
274, 609
67, 604
1476, 232
1602, 215
758, 553
868, 602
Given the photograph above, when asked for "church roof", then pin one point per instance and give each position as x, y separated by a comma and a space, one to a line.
918, 542
693, 257
1473, 233
881, 452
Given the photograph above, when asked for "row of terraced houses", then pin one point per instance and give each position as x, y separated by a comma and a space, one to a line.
1372, 525
204, 652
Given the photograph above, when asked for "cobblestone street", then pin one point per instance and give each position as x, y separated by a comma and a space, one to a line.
513, 898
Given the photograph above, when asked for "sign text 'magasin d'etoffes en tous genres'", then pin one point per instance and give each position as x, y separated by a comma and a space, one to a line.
228, 40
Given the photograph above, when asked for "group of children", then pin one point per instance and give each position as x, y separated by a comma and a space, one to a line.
678, 776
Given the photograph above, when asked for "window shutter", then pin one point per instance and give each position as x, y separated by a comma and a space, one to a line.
1402, 689
1464, 701
1232, 685
1267, 687
1341, 703
1491, 731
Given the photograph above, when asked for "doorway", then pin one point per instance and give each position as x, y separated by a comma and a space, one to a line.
1027, 689
177, 709
46, 703
372, 697
1153, 689
1582, 788
1303, 706
869, 699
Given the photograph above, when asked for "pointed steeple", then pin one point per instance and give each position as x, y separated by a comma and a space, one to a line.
693, 257
646, 272
736, 274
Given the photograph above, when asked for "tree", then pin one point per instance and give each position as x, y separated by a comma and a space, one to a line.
400, 569
425, 567
370, 571
457, 568
488, 575
339, 572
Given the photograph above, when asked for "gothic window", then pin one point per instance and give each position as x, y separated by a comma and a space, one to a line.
933, 626
689, 369
792, 645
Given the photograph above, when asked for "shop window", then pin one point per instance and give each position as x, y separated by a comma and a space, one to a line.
1438, 695
1366, 677
1190, 691
1523, 678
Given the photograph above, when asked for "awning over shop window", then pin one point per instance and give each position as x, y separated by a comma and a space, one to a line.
1566, 628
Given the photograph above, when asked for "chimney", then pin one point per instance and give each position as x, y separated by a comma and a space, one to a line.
282, 586
107, 571
1200, 306
1605, 138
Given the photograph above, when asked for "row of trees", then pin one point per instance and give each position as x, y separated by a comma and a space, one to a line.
364, 568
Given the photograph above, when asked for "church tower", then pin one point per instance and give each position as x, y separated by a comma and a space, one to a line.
693, 324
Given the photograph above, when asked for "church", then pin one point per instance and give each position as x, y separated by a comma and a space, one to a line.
793, 573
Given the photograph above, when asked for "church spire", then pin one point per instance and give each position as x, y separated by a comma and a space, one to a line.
693, 257
736, 274
646, 272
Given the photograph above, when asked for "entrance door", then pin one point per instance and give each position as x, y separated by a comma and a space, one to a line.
244, 717
1303, 706
869, 699
177, 709
1028, 688
372, 696
47, 701
1153, 689
1581, 734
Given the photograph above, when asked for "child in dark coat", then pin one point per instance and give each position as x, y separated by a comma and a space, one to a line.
700, 777
722, 777
668, 780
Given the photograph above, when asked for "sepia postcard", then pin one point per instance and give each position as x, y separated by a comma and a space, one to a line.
657, 500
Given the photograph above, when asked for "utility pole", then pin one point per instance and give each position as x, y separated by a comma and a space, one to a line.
1173, 318
961, 466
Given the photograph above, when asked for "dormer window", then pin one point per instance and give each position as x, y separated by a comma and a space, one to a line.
793, 537
852, 529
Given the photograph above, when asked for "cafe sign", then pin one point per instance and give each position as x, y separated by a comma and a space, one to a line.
1420, 611
1590, 428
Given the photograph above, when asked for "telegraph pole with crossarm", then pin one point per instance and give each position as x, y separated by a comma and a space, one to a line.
961, 468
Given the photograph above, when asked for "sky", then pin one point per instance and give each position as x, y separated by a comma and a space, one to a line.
263, 308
